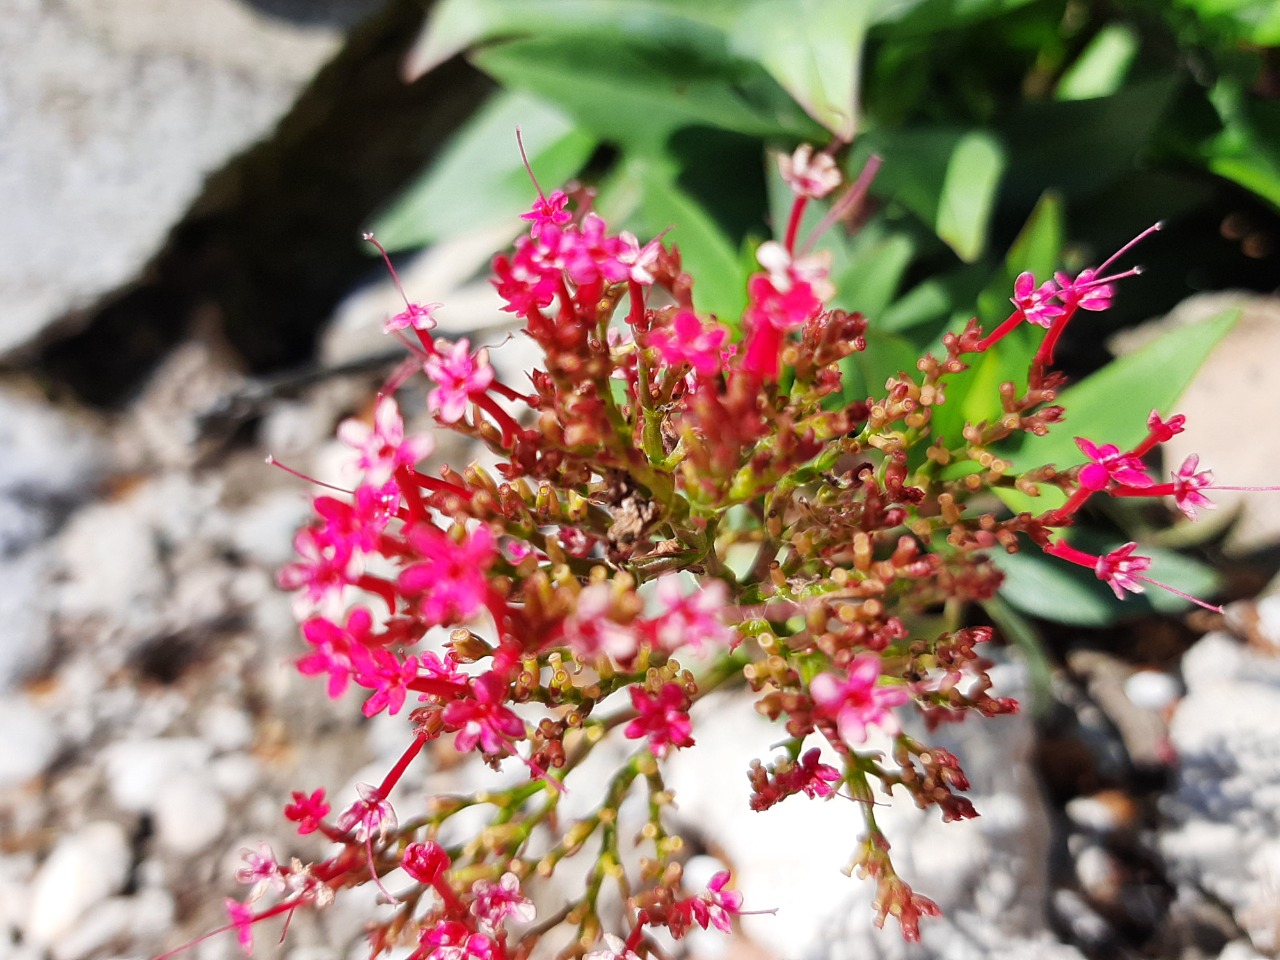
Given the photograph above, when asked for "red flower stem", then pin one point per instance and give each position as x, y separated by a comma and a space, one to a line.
395, 773
1044, 356
1155, 490
1074, 502
501, 388
635, 316
441, 486
383, 588
407, 481
1000, 332
1065, 551
793, 223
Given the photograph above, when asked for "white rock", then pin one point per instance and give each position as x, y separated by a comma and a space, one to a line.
84, 868
190, 813
111, 560
236, 775
137, 769
1152, 690
25, 640
30, 740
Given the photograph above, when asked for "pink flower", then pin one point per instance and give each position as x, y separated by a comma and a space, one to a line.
1164, 430
451, 940
449, 578
324, 568
721, 903
307, 811
1036, 303
243, 919
636, 258
1087, 291
615, 948
664, 718
1107, 464
591, 255
260, 869
369, 816
686, 340
334, 648
1121, 569
483, 719
693, 620
548, 211
1187, 484
425, 862
808, 174
380, 670
787, 295
415, 316
459, 376
590, 631
383, 448
858, 701
494, 902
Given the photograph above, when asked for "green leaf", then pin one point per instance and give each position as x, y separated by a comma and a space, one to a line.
643, 194
1100, 69
903, 18
813, 48
1052, 589
636, 91
1247, 151
946, 177
1255, 22
886, 355
454, 26
479, 179
1112, 405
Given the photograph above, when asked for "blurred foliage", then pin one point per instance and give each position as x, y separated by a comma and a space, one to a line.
1010, 130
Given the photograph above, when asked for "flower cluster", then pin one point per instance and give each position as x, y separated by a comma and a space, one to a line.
669, 514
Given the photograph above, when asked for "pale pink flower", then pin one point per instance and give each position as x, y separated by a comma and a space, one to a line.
1187, 484
261, 870
693, 620
858, 701
372, 815
415, 316
459, 376
452, 940
590, 631
809, 174
383, 448
1036, 303
495, 901
1121, 569
615, 948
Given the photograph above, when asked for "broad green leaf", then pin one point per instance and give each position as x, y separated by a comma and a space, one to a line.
1112, 405
878, 260
454, 26
974, 396
866, 371
1052, 589
479, 180
637, 92
948, 178
899, 18
1101, 68
1255, 22
1247, 151
813, 48
643, 194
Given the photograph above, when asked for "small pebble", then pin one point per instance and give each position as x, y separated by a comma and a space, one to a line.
30, 740
1104, 812
190, 813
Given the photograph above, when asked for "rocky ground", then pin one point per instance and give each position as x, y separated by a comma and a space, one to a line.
152, 723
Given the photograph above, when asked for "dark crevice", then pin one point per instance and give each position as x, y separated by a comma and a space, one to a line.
273, 242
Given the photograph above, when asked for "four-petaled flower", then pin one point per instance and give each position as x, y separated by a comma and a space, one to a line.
425, 862
687, 340
482, 719
1107, 463
415, 316
1036, 303
307, 811
449, 578
383, 448
495, 901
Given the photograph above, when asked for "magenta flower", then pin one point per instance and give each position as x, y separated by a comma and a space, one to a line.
1121, 569
591, 255
858, 701
483, 719
1107, 464
495, 901
459, 376
548, 211
307, 811
452, 940
1086, 292
324, 568
694, 620
686, 340
1165, 430
335, 648
721, 904
383, 448
1187, 484
381, 671
664, 718
787, 295
449, 578
636, 258
243, 919
812, 777
1036, 303
425, 862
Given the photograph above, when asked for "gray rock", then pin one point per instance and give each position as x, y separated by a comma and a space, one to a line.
30, 739
1224, 814
135, 770
114, 113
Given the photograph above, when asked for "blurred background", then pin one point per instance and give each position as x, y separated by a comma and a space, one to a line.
183, 289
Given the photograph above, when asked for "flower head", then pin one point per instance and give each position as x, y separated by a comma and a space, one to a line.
415, 316
1107, 463
495, 901
548, 211
307, 811
482, 719
687, 340
459, 376
809, 174
425, 862
664, 718
1187, 484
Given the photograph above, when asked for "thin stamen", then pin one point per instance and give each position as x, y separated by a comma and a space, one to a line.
1158, 225
847, 203
273, 462
386, 258
524, 157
